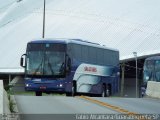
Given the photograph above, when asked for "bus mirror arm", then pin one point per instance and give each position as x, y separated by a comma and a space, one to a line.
22, 60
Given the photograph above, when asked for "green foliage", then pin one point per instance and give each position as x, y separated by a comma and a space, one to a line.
11, 106
6, 87
11, 102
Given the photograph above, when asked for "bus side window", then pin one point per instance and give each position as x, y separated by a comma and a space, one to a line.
77, 52
92, 55
100, 56
68, 62
85, 54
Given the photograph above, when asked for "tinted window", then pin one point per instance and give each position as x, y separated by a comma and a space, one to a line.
45, 59
100, 56
46, 46
84, 53
149, 64
77, 52
92, 55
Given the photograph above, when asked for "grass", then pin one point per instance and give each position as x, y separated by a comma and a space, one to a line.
24, 93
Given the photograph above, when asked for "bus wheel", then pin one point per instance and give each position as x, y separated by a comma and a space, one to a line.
104, 92
68, 94
74, 88
38, 93
108, 90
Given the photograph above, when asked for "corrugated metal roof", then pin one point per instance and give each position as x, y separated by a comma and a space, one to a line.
127, 25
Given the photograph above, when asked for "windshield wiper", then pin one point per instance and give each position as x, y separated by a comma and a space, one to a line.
40, 65
50, 66
61, 69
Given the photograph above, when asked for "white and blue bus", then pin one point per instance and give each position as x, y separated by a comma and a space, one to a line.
151, 69
70, 66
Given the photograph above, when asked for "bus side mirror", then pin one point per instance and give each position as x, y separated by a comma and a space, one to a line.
22, 61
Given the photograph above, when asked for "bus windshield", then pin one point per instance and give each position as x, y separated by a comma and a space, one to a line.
148, 70
152, 70
157, 70
149, 65
45, 59
157, 65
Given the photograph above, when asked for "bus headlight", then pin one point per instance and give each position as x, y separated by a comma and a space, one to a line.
118, 73
61, 85
147, 77
27, 85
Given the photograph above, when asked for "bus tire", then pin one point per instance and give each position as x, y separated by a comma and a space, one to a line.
74, 88
104, 92
38, 93
108, 90
68, 94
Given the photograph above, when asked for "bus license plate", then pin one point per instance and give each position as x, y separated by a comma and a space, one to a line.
43, 87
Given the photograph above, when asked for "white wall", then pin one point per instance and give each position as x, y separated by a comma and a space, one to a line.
1, 97
4, 103
153, 89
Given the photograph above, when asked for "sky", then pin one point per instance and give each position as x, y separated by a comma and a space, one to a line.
126, 25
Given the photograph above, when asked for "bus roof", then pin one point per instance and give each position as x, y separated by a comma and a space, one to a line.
67, 41
154, 58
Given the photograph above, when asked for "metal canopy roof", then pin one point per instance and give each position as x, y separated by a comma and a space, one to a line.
127, 25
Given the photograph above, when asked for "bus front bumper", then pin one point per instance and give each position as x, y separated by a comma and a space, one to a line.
44, 87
